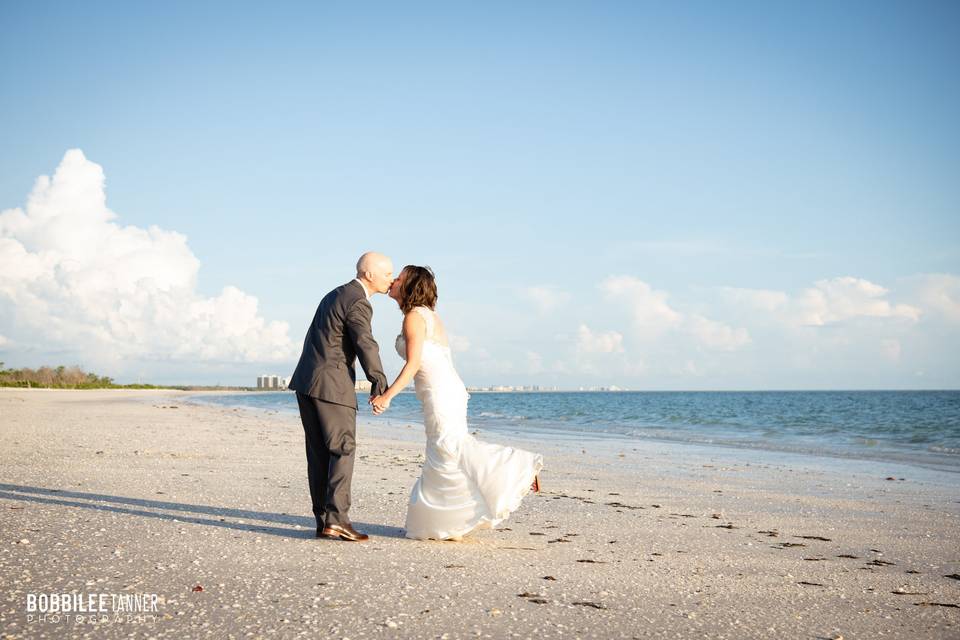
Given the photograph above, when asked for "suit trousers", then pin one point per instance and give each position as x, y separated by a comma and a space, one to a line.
330, 433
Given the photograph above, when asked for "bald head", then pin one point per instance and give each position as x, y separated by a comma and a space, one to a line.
375, 270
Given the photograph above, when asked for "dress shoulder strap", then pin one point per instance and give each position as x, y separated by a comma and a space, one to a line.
427, 316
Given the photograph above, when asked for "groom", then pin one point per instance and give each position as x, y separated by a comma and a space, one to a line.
324, 381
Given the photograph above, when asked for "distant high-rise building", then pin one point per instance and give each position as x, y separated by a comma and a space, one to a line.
272, 382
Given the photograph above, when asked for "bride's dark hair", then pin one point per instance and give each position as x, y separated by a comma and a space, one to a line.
419, 288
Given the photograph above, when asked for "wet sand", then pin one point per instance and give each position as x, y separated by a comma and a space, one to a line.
138, 492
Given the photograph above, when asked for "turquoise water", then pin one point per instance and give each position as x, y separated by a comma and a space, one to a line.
906, 426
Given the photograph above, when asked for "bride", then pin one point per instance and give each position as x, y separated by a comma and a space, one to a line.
465, 484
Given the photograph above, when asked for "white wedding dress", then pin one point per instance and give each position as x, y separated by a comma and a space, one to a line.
465, 484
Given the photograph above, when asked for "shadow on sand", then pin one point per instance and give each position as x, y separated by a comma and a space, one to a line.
284, 524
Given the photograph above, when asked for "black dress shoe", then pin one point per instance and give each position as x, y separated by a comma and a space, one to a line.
344, 532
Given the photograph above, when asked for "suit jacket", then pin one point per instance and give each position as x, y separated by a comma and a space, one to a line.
339, 334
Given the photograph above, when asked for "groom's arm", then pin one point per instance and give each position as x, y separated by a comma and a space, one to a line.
359, 317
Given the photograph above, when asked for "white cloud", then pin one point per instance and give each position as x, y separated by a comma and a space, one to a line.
653, 316
937, 293
591, 342
829, 301
4, 341
840, 332
546, 298
839, 299
715, 335
71, 278
649, 309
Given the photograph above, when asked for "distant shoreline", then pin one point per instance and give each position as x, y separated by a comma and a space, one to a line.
147, 387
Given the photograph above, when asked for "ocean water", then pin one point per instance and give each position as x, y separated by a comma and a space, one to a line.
919, 427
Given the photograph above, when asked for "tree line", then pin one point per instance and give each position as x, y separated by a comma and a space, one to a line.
76, 378
60, 378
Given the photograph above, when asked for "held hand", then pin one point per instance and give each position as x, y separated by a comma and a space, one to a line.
380, 404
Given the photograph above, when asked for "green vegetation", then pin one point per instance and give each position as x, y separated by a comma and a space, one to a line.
74, 378
53, 377
57, 378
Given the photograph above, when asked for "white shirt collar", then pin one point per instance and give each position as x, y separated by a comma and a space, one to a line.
365, 290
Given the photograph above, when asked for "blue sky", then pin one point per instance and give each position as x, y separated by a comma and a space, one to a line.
534, 155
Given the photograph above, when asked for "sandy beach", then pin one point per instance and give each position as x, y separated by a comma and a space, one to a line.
207, 508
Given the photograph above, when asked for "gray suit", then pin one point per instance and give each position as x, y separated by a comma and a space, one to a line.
324, 381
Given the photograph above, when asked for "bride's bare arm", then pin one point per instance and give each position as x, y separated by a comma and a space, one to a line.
414, 333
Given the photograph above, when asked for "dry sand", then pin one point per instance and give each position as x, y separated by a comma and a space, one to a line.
116, 492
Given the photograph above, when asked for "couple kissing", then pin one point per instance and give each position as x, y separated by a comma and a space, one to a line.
465, 484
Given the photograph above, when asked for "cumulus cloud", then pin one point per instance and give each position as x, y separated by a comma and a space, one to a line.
651, 313
653, 316
546, 298
937, 293
73, 279
716, 335
589, 341
838, 299
842, 332
827, 302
